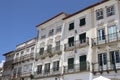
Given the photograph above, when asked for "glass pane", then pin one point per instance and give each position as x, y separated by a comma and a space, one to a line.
117, 56
112, 32
70, 63
105, 58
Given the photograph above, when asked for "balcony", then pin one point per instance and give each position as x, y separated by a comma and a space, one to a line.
109, 66
23, 58
16, 76
17, 60
48, 73
7, 72
75, 68
26, 74
7, 63
76, 44
27, 57
115, 37
49, 52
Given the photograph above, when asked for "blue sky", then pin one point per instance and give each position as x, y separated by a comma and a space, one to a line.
18, 18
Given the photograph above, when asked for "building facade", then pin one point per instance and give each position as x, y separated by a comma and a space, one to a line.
105, 41
24, 60
79, 46
49, 58
8, 66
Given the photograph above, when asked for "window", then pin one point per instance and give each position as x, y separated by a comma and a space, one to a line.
58, 29
102, 59
82, 22
70, 63
51, 32
30, 67
32, 49
49, 48
27, 50
99, 14
22, 52
19, 70
41, 51
39, 69
17, 55
82, 38
114, 57
43, 36
83, 63
71, 26
110, 11
25, 68
47, 68
14, 71
71, 41
56, 66
101, 34
112, 32
57, 45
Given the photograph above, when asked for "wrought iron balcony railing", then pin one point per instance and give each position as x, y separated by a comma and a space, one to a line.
106, 39
23, 58
6, 72
9, 62
26, 74
49, 52
50, 34
77, 44
48, 72
73, 68
107, 67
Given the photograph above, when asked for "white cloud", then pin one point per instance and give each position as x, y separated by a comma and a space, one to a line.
1, 64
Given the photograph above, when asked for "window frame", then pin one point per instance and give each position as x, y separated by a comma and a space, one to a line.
82, 19
99, 14
71, 26
70, 42
56, 65
110, 10
71, 65
39, 69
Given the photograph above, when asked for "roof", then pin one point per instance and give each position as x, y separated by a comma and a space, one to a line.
8, 53
52, 18
26, 41
98, 3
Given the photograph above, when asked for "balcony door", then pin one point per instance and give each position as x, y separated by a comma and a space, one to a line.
83, 64
57, 48
82, 38
47, 68
71, 41
112, 33
70, 63
114, 59
101, 36
49, 48
102, 61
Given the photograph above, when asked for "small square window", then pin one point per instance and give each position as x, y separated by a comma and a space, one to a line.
71, 26
82, 22
41, 51
110, 11
99, 14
